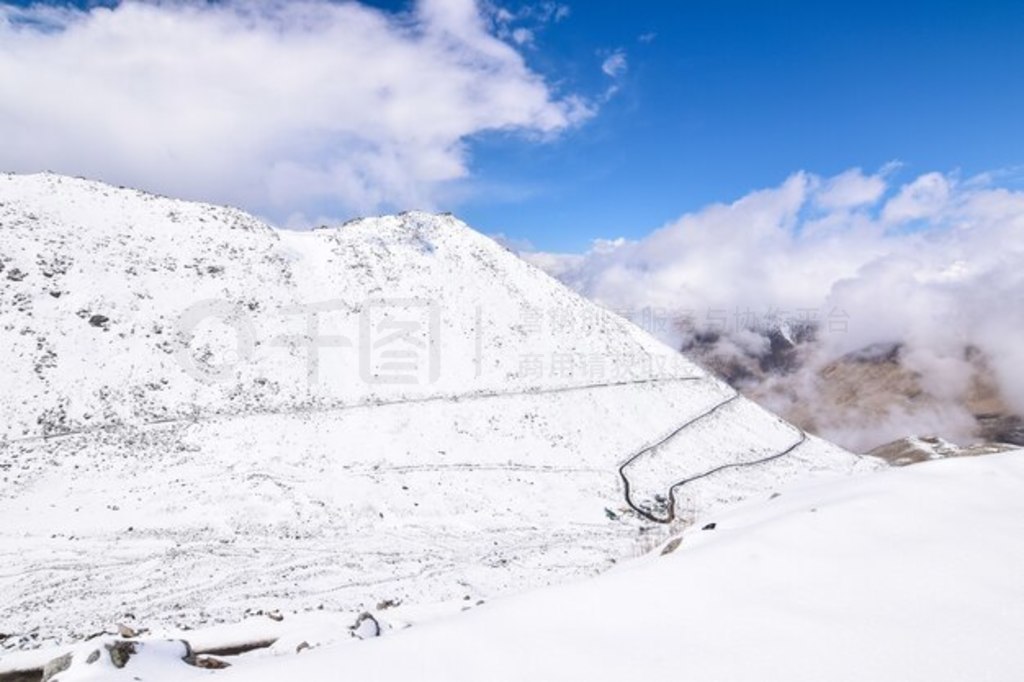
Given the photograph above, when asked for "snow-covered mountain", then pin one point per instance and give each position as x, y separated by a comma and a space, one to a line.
203, 416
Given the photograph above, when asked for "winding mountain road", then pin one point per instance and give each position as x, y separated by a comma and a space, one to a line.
342, 407
671, 515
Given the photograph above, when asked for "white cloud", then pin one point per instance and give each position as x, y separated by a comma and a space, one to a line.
924, 198
615, 64
647, 37
522, 36
546, 12
522, 26
850, 190
827, 246
502, 15
312, 106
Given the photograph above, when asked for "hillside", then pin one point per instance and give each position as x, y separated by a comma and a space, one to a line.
906, 574
911, 574
184, 440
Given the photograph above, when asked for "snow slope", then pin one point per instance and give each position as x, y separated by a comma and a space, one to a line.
182, 440
906, 574
909, 574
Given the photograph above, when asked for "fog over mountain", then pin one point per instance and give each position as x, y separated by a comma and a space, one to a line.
927, 266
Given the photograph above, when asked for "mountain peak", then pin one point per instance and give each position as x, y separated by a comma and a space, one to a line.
207, 395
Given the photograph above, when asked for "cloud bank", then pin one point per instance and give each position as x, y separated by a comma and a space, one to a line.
933, 263
336, 108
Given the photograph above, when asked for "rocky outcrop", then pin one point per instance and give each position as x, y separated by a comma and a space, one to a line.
117, 654
922, 449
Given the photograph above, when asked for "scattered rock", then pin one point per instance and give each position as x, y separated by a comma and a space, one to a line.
301, 647
206, 662
671, 546
275, 615
366, 626
99, 321
710, 526
120, 652
388, 604
127, 632
55, 667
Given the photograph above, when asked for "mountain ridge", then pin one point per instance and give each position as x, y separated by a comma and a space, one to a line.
207, 412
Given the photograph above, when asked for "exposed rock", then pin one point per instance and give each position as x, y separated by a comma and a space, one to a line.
56, 666
1001, 428
126, 632
671, 546
120, 652
784, 342
366, 626
99, 321
206, 662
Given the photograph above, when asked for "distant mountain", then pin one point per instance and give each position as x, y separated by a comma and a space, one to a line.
862, 399
913, 450
204, 416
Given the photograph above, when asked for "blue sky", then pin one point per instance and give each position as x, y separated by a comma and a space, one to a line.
770, 157
733, 96
717, 98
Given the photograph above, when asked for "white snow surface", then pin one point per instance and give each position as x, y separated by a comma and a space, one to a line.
900, 575
906, 574
132, 490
